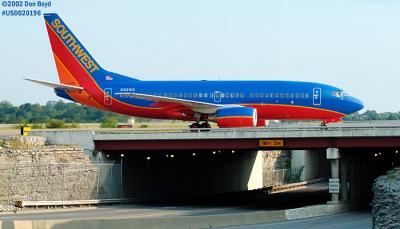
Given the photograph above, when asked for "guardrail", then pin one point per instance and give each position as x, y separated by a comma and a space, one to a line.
37, 204
265, 132
333, 127
291, 186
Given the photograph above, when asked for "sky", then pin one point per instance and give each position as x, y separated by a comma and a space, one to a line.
354, 45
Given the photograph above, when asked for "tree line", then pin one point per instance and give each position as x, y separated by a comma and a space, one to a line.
76, 113
54, 110
373, 115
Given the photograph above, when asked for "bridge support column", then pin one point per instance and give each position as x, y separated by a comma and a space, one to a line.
334, 155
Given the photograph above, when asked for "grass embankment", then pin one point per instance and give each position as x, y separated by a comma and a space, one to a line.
14, 129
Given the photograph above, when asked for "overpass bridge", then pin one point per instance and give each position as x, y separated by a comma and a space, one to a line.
182, 161
346, 135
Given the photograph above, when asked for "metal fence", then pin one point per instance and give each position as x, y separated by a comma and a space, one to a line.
282, 176
59, 181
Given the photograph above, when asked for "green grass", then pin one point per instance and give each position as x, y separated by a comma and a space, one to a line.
14, 128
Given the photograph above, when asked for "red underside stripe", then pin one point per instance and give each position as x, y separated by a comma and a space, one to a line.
271, 111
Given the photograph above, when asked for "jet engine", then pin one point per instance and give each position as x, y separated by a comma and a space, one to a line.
236, 117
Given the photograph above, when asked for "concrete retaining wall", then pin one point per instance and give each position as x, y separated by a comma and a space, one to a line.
311, 164
31, 171
275, 160
81, 138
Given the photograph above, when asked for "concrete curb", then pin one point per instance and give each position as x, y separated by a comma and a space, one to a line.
183, 222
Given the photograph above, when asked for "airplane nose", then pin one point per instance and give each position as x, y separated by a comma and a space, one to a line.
355, 104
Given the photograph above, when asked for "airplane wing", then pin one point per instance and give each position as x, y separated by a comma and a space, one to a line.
56, 85
202, 107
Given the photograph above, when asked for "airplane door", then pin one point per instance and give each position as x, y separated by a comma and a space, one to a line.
317, 96
217, 96
107, 96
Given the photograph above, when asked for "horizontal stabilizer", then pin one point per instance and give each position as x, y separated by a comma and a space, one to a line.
56, 85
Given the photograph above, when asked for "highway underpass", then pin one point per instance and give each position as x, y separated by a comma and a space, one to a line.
181, 162
277, 207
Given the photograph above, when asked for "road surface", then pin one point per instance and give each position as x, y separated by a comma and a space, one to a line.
351, 220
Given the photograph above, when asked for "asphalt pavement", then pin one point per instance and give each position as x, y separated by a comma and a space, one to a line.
121, 212
219, 204
350, 220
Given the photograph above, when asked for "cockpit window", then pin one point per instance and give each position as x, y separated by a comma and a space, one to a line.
339, 93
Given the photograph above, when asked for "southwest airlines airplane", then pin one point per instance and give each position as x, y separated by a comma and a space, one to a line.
227, 103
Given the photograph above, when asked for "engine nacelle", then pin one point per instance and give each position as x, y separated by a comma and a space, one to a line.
236, 117
262, 122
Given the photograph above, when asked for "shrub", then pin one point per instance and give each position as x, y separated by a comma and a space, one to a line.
37, 126
110, 122
18, 126
72, 125
55, 123
62, 158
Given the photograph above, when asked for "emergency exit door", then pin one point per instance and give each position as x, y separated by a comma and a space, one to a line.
317, 96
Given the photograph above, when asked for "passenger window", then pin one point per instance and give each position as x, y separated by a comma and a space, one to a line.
165, 94
205, 95
287, 95
292, 95
190, 95
281, 95
251, 95
180, 95
195, 95
200, 95
307, 95
175, 95
170, 94
297, 95
261, 95
241, 95
237, 95
256, 95
302, 95
184, 95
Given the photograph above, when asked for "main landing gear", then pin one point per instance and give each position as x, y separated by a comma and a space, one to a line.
323, 125
200, 125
